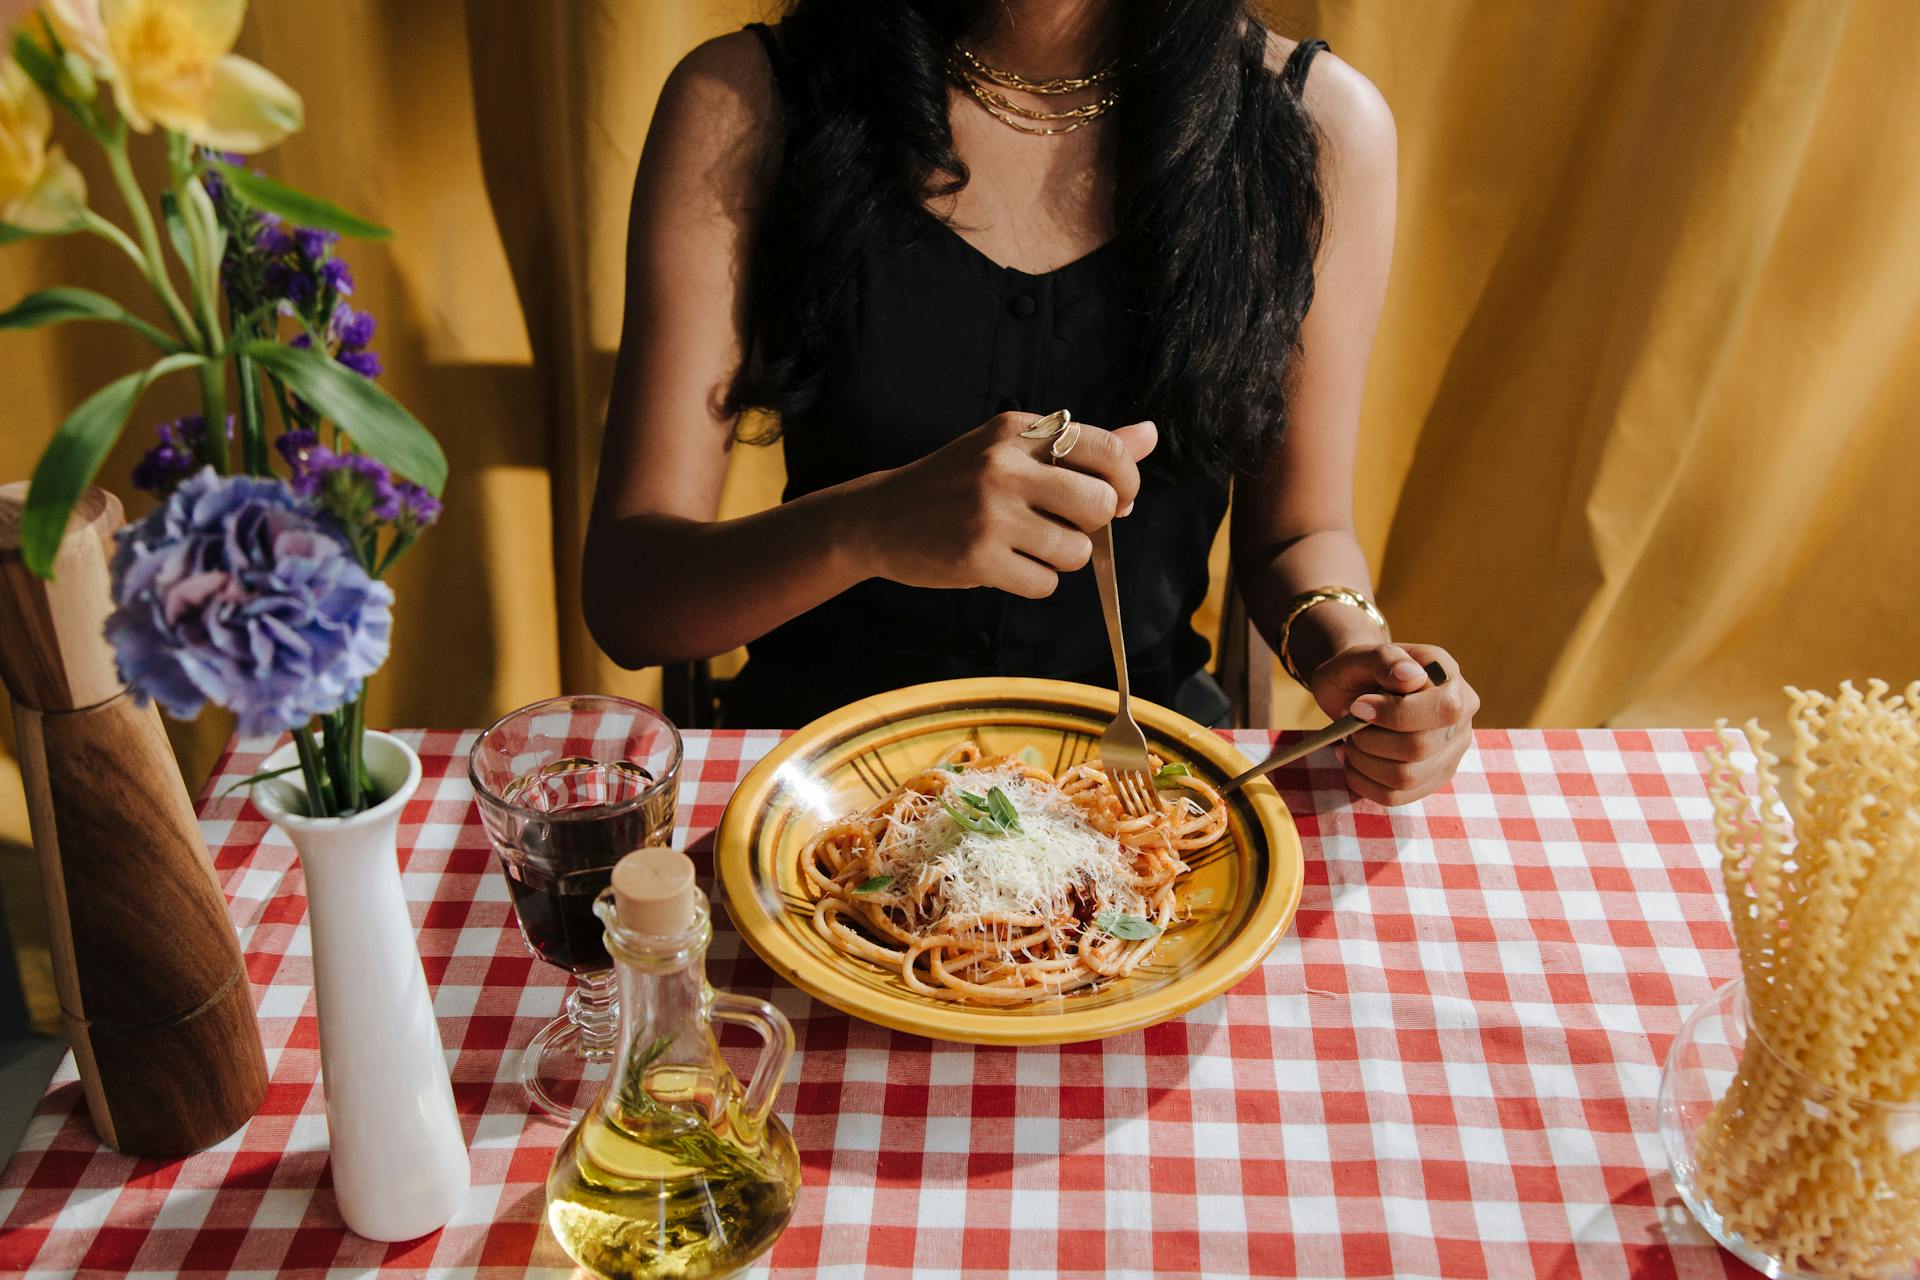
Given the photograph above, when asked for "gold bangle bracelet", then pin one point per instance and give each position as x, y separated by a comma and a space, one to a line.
1322, 595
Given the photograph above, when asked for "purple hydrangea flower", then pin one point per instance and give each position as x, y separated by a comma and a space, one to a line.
365, 363
234, 592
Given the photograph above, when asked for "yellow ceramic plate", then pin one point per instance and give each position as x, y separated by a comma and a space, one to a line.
1239, 897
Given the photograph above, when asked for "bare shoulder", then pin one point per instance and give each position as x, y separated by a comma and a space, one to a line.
725, 81
711, 138
1353, 116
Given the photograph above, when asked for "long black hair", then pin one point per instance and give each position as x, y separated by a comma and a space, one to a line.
1217, 204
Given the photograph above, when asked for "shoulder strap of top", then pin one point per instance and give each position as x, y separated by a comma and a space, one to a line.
776, 56
1294, 73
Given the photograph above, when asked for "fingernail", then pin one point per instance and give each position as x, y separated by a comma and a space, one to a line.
1126, 510
1362, 710
1340, 754
1408, 670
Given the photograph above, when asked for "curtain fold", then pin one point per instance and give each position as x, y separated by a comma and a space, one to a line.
1639, 440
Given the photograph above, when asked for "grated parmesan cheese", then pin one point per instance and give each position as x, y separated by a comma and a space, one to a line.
1032, 871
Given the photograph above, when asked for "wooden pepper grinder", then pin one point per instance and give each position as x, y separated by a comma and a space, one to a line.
152, 985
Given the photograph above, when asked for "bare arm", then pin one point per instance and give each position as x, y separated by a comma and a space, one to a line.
1293, 525
663, 579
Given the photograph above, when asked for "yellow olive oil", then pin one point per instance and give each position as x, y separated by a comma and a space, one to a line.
676, 1170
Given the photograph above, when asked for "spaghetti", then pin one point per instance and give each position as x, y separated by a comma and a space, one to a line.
987, 879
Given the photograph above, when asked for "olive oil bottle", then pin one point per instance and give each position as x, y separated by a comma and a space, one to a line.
675, 1171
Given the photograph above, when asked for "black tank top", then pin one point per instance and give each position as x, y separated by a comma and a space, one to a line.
941, 339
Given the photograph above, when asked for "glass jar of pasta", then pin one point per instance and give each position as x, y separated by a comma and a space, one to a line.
1794, 1177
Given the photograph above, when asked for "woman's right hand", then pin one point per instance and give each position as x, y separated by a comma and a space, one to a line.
992, 509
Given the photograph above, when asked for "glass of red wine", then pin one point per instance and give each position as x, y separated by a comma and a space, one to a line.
566, 788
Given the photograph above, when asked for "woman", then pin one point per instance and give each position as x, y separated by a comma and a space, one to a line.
912, 229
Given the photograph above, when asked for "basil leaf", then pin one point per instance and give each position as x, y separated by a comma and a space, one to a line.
950, 767
874, 885
969, 820
1003, 809
1168, 772
1125, 927
975, 802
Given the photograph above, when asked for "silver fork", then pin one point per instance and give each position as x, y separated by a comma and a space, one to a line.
1123, 748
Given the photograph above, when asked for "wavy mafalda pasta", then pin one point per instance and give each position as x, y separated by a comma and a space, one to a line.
1811, 1155
933, 884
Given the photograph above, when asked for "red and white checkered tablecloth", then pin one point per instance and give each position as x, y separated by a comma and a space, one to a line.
1448, 1066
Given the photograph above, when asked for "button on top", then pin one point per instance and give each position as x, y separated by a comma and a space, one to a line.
1023, 306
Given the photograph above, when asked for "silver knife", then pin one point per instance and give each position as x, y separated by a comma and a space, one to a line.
1344, 727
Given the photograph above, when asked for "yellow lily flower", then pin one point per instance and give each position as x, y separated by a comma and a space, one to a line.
40, 190
81, 32
171, 63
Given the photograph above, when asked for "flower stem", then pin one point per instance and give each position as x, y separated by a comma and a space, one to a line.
319, 797
253, 436
346, 778
213, 395
153, 264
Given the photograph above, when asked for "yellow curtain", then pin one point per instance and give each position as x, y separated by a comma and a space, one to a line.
1639, 442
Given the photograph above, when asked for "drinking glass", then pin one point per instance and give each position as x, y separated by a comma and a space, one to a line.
567, 787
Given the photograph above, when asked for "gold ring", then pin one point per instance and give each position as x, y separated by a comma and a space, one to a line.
1051, 425
1063, 443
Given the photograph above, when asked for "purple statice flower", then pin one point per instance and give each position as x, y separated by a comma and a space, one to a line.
296, 447
235, 592
352, 329
211, 179
365, 363
314, 244
350, 487
418, 508
273, 239
335, 274
284, 279
176, 457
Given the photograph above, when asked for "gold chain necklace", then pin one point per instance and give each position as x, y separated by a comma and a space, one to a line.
969, 72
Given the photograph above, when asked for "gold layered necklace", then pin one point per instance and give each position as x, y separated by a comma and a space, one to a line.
979, 79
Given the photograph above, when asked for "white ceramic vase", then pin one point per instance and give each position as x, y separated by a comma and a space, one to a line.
399, 1162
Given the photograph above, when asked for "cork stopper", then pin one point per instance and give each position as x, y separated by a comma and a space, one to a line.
653, 892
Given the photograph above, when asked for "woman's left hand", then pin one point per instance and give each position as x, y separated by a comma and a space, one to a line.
1419, 730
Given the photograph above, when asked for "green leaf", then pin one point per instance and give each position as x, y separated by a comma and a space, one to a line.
973, 801
260, 777
1125, 927
296, 206
978, 823
59, 305
1003, 810
75, 454
1168, 772
874, 885
375, 420
950, 767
